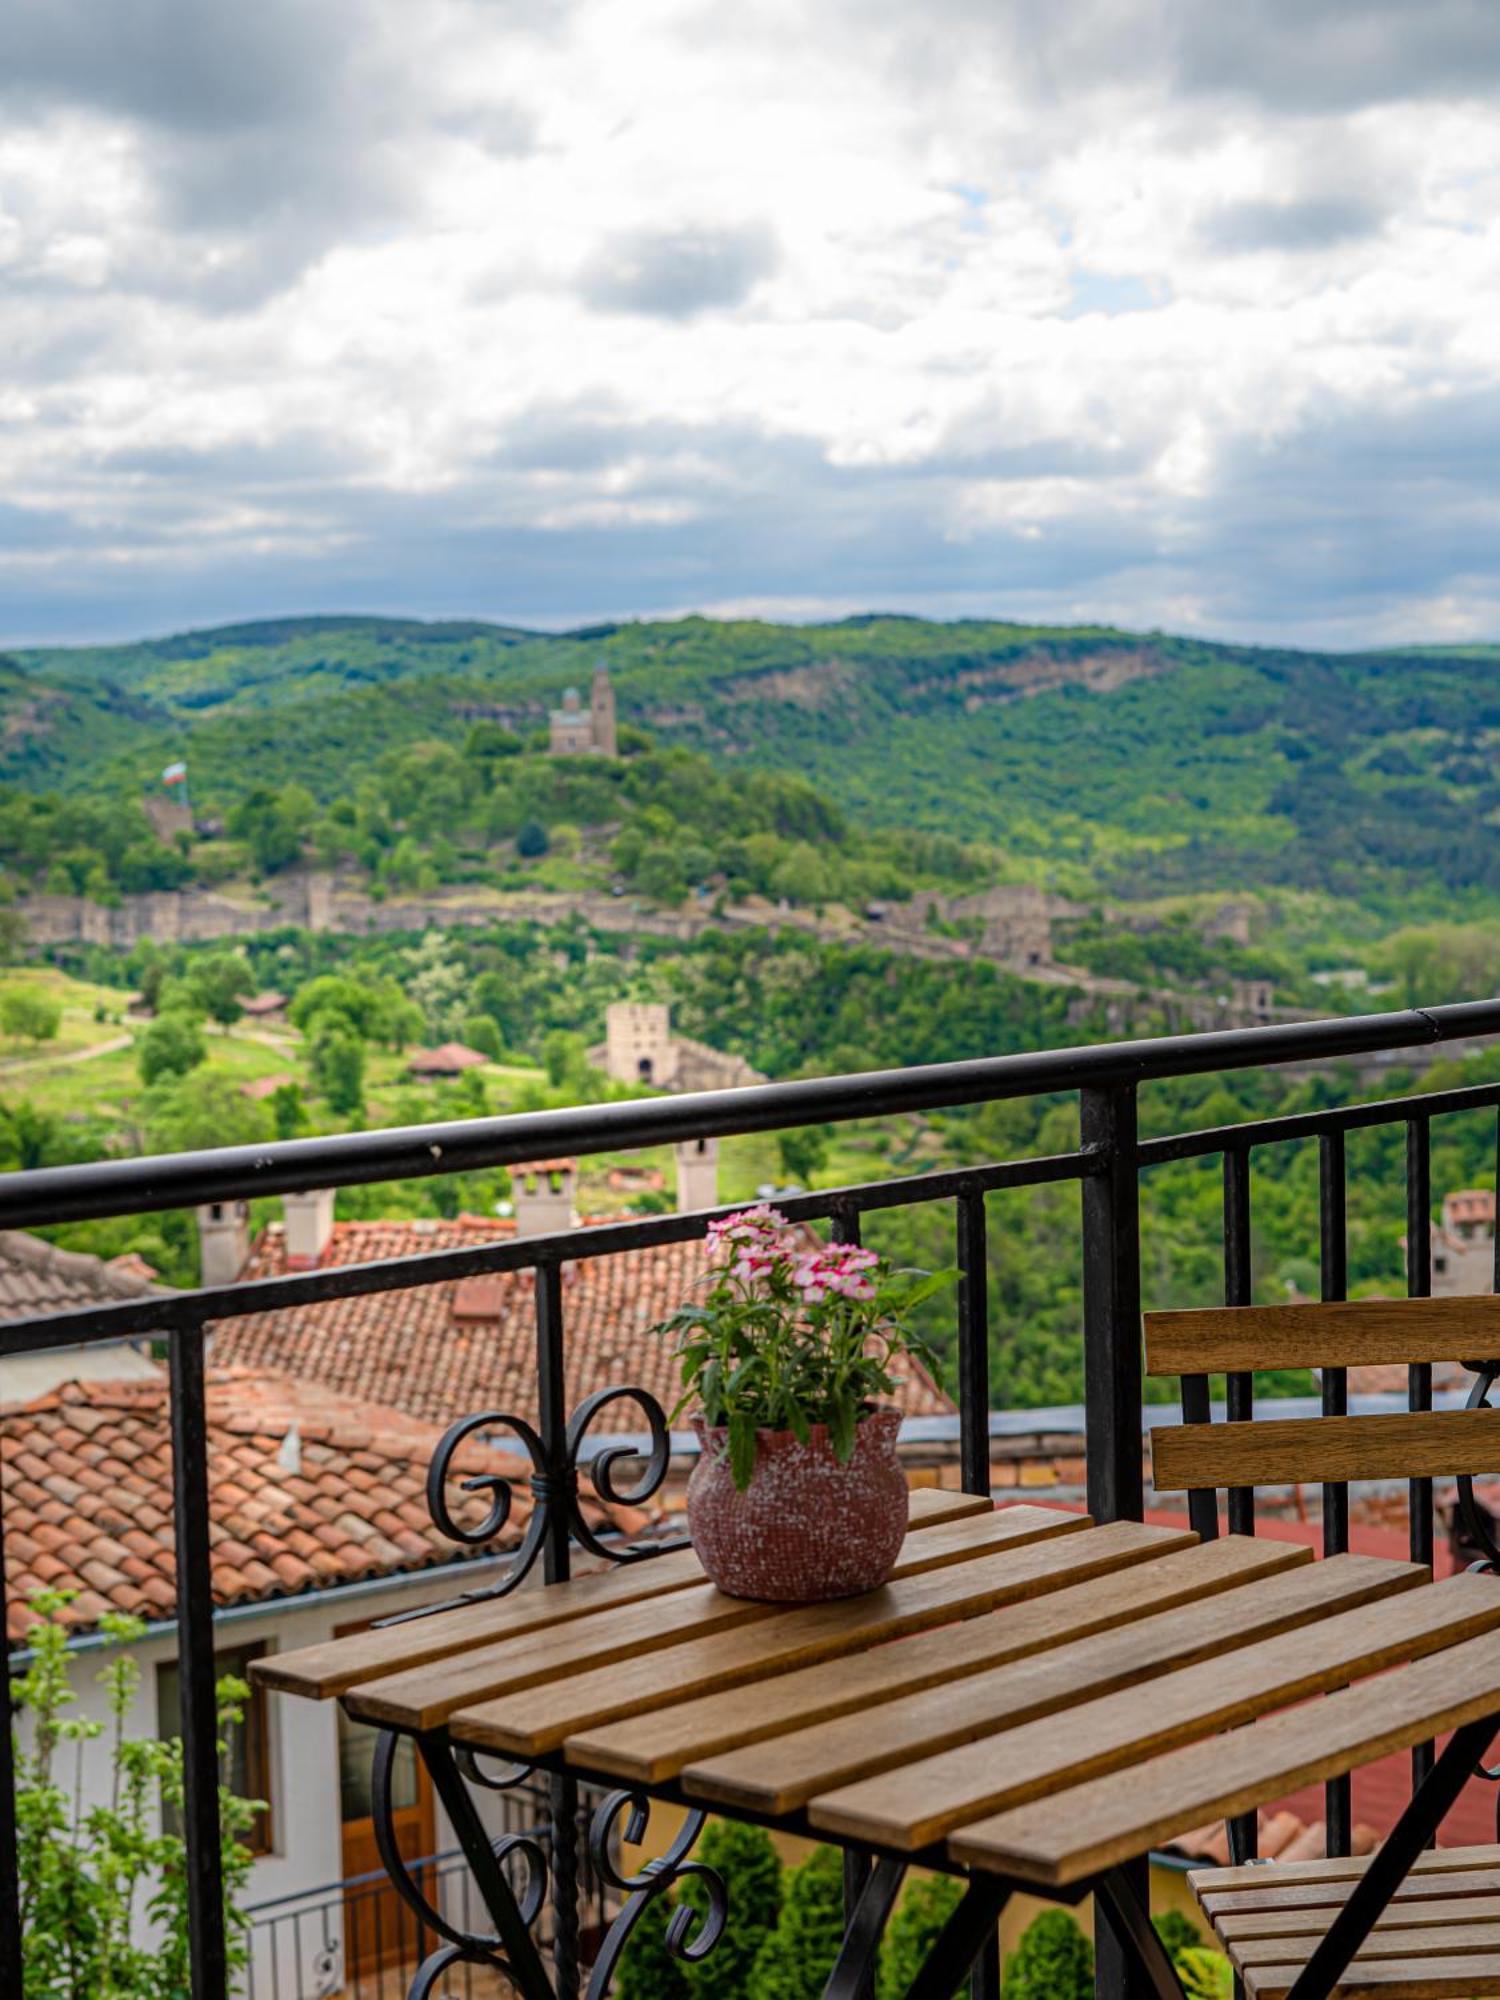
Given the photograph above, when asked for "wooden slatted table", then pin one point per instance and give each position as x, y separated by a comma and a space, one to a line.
1032, 1700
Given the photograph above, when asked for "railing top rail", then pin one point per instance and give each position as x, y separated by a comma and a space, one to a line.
179, 1180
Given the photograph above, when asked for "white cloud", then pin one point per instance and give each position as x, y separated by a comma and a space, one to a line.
546, 310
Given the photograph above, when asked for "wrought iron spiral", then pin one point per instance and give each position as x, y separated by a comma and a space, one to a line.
690, 1934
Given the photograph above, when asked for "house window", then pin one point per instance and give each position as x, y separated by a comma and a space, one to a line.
247, 1767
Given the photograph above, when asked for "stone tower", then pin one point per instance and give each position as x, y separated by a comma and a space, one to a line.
602, 713
697, 1175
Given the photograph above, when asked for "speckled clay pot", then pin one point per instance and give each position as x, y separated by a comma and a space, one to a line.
808, 1528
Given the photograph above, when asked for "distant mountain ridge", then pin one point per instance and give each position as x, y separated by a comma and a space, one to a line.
1126, 763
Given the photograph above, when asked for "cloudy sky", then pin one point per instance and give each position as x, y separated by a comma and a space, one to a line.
1170, 312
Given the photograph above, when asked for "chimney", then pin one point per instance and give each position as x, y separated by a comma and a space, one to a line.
543, 1197
697, 1175
309, 1224
223, 1240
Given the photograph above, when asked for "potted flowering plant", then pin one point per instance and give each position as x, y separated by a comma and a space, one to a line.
797, 1495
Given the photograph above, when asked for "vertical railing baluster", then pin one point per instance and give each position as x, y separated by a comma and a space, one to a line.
1112, 1382
552, 1427
1113, 1394
1239, 1398
10, 1854
971, 1254
1419, 1374
1239, 1388
1333, 1251
972, 1258
207, 1958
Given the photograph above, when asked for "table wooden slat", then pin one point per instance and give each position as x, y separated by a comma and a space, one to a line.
649, 1746
917, 1804
1414, 1914
333, 1666
781, 1775
1447, 1940
426, 1697
528, 1722
1085, 1827
1460, 1978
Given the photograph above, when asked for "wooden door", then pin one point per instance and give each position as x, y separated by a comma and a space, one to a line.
381, 1934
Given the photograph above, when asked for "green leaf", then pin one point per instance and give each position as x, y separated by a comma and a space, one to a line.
842, 1419
742, 1448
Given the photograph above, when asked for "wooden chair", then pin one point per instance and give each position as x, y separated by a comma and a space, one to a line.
1440, 1936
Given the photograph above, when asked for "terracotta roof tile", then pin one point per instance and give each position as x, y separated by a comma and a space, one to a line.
429, 1350
274, 1532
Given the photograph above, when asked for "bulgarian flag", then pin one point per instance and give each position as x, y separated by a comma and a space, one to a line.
175, 774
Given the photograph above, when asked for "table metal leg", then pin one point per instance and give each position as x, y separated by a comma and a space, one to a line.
1392, 1860
1132, 1926
853, 1974
961, 1940
509, 1947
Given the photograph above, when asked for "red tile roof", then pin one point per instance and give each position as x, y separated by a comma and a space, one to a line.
441, 1351
37, 1277
448, 1059
308, 1489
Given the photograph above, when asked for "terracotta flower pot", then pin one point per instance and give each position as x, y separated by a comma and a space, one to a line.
807, 1528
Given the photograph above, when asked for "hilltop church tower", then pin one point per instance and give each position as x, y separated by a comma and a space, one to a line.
574, 731
602, 713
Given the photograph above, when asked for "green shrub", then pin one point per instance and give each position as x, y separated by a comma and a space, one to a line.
744, 1857
797, 1957
1205, 1975
85, 1870
647, 1970
913, 1931
1176, 1933
171, 1046
1053, 1961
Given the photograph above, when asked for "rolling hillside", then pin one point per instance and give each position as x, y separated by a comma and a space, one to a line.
1101, 761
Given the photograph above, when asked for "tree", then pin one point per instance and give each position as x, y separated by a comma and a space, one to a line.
797, 1957
479, 1032
32, 1138
913, 1931
13, 935
531, 840
171, 1046
217, 982
563, 1057
1053, 1961
288, 1110
745, 1859
272, 825
802, 1153
187, 1114
336, 1056
29, 1015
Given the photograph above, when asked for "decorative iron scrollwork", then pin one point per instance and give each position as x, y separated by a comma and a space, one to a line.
461, 1947
552, 1487
691, 1934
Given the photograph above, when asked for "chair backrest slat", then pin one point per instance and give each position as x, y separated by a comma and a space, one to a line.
1361, 1332
1281, 1451
1197, 1456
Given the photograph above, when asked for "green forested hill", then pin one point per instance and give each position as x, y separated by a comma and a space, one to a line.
1097, 760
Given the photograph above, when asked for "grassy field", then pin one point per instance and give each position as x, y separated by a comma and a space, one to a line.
89, 1075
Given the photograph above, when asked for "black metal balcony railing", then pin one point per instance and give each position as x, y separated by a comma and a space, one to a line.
1106, 1164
